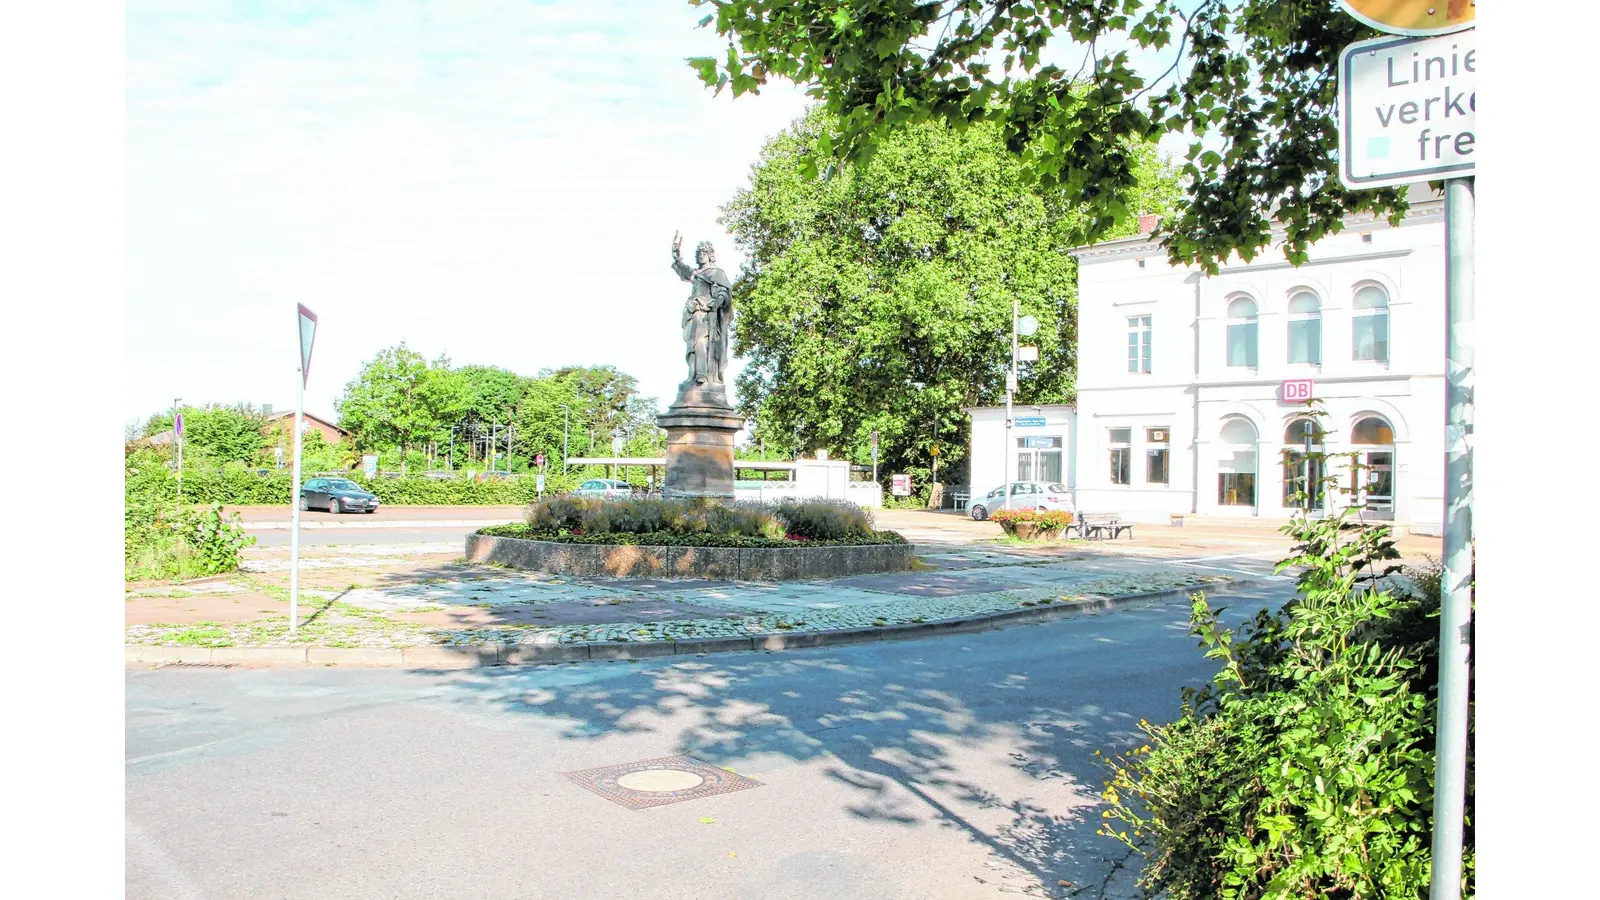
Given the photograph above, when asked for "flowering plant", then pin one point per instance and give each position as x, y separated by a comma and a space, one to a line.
1049, 519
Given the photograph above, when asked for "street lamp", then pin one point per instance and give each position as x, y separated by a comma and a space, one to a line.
616, 449
177, 443
566, 412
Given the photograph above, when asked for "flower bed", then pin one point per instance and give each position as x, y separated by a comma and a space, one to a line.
1032, 524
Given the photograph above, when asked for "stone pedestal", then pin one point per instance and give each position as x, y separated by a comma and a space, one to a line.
700, 430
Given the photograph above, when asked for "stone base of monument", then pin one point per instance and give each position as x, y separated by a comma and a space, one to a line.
700, 431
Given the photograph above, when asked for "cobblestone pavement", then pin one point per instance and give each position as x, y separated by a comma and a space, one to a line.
399, 595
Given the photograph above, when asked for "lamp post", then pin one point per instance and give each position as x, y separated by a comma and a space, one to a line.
566, 412
177, 442
616, 449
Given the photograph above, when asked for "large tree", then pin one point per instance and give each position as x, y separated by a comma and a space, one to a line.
1251, 83
881, 298
401, 400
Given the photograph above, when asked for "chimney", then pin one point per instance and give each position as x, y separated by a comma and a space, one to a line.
1148, 224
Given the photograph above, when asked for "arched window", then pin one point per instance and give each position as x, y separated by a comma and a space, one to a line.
1303, 464
1372, 480
1242, 332
1305, 328
1236, 467
1370, 324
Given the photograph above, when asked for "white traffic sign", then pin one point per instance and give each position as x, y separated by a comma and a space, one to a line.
307, 320
1406, 110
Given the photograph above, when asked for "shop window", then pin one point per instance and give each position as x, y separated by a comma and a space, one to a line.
1157, 455
1303, 465
1121, 440
1139, 345
1372, 479
1305, 328
1242, 332
1236, 466
1039, 458
1369, 325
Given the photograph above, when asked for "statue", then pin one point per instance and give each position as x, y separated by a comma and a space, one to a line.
706, 315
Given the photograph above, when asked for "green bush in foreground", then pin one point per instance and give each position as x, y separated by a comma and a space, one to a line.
1305, 769
191, 544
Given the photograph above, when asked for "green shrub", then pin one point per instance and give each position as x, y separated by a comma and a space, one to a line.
190, 544
1305, 769
1043, 518
823, 520
670, 539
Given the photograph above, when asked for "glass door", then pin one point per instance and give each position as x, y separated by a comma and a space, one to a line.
1039, 459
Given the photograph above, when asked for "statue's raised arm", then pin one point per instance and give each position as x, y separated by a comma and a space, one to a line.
684, 270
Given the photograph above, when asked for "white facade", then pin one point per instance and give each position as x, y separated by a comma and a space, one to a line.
1030, 453
1166, 352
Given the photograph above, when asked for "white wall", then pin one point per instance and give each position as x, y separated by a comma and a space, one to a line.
1192, 390
994, 460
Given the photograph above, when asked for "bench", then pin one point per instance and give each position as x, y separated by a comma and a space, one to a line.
1103, 525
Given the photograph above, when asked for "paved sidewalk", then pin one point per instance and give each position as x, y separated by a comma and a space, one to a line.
416, 595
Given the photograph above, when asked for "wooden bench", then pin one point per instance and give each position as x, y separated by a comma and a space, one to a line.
1103, 525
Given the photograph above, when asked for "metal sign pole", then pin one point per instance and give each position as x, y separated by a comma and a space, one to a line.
294, 506
1455, 618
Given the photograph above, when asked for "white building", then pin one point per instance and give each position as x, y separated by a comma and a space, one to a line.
1181, 394
1181, 397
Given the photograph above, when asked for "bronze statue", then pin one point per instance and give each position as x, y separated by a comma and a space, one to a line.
706, 315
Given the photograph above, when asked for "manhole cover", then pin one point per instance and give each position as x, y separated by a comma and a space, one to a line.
658, 782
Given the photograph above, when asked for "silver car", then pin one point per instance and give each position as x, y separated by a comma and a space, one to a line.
1024, 495
604, 488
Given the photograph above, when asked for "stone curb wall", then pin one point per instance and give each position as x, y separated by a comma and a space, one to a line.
473, 655
711, 563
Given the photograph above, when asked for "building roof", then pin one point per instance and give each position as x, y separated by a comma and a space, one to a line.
1427, 209
289, 414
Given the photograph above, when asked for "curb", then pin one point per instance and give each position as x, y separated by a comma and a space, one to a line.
466, 656
384, 523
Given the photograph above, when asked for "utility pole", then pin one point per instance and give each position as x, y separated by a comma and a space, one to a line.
566, 413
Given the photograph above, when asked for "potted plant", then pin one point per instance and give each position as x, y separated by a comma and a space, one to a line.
1032, 524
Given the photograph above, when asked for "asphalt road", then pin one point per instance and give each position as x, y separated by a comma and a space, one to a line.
950, 767
320, 537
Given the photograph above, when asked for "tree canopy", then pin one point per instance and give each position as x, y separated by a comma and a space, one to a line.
399, 399
881, 299
1251, 84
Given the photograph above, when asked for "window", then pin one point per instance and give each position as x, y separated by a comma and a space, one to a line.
1039, 459
1303, 465
1242, 332
1370, 325
1372, 479
1121, 454
1157, 454
1236, 468
1305, 328
1139, 345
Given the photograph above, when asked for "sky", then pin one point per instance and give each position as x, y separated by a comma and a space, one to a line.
497, 181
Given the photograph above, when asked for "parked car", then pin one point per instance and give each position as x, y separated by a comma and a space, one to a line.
337, 495
604, 488
1024, 495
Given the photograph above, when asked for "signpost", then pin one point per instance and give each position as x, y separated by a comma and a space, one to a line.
874, 455
177, 437
369, 466
306, 321
1029, 421
1406, 109
1406, 114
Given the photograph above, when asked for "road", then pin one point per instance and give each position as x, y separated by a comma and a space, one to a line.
952, 767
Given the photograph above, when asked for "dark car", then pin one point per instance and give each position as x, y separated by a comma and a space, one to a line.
337, 495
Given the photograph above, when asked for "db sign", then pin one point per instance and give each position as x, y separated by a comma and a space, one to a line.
902, 486
1297, 390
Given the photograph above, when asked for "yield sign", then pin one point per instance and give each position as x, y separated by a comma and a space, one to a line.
308, 335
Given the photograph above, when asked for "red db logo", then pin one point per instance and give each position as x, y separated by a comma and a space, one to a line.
1298, 390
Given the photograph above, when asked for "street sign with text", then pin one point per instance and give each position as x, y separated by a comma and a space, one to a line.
1028, 421
1406, 110
901, 486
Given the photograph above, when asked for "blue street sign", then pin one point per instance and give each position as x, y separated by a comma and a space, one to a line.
1028, 421
1039, 443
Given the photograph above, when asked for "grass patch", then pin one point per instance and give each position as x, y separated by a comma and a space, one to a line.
202, 636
